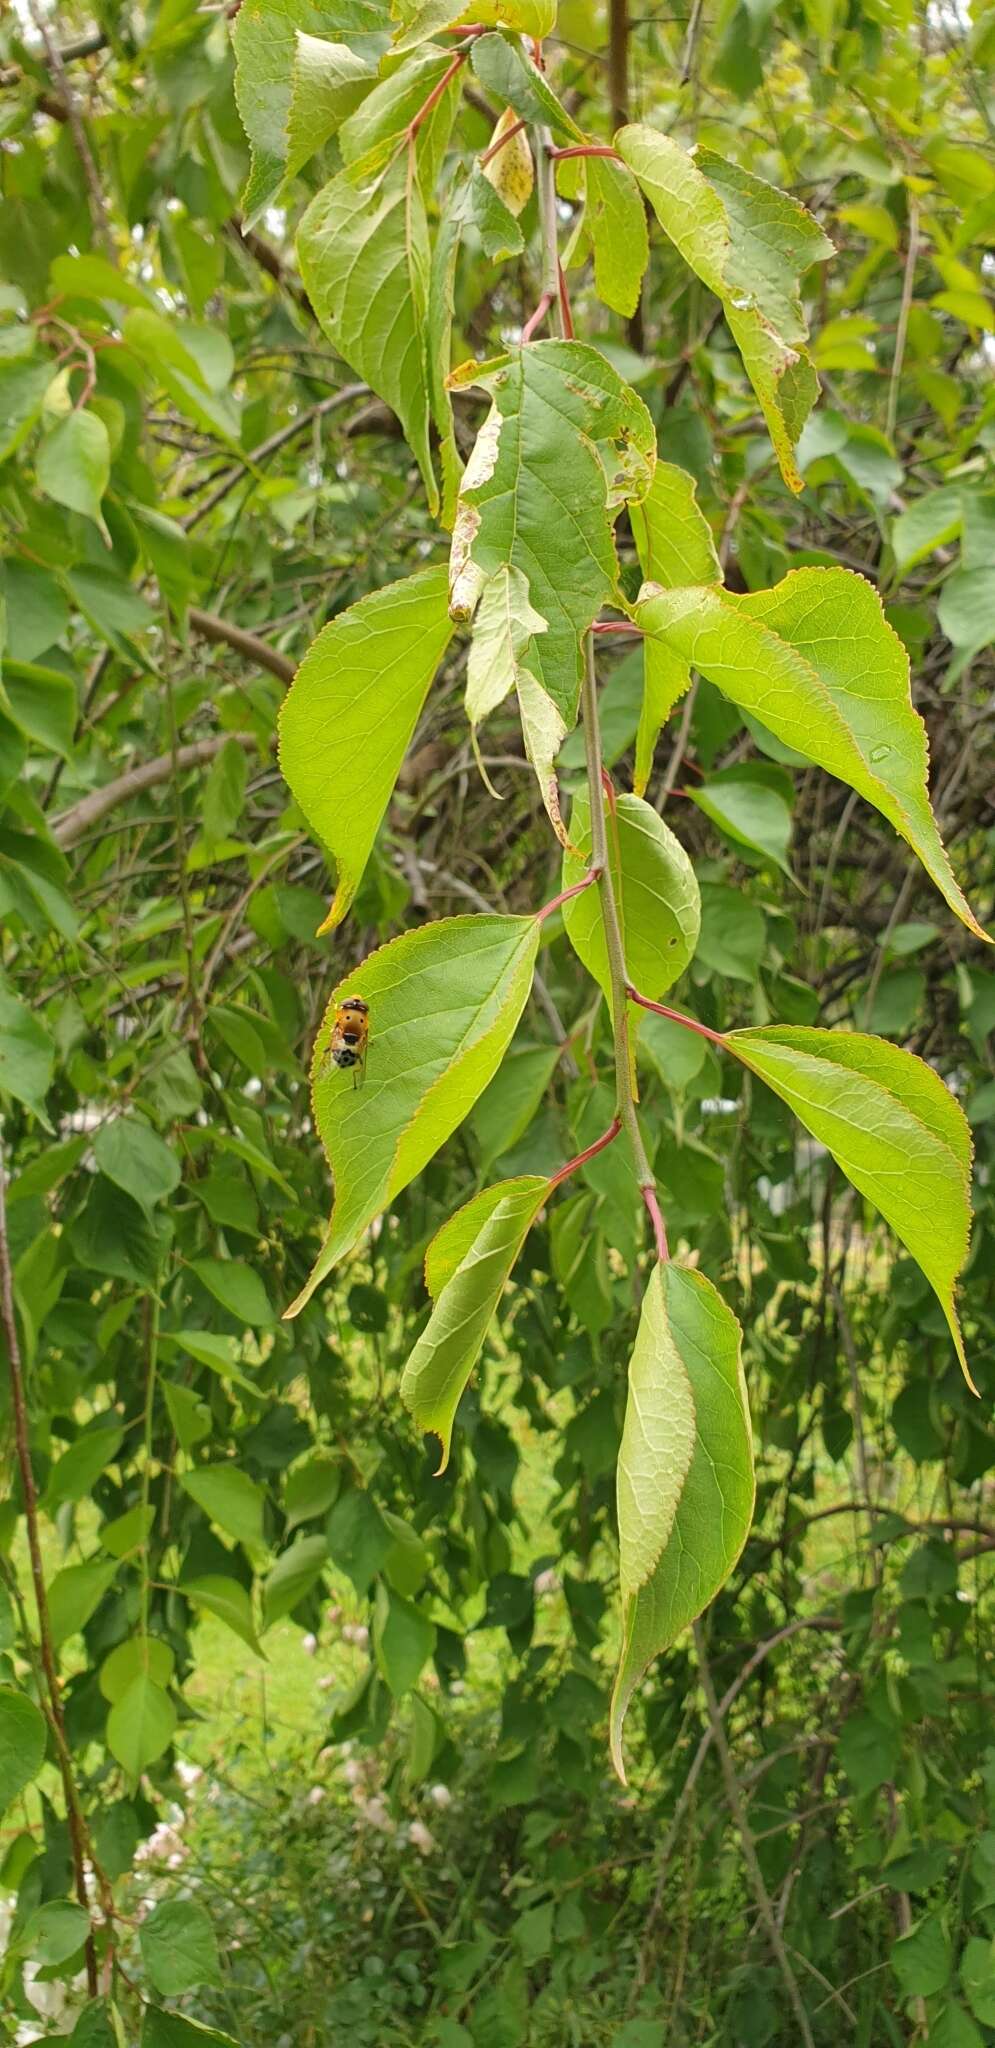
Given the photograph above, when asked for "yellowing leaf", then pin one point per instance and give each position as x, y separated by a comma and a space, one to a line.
565, 444
749, 244
685, 1471
510, 171
350, 713
656, 891
615, 218
444, 1001
504, 624
487, 1235
896, 1131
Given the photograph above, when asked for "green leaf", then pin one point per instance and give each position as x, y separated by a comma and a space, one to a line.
279, 91
543, 732
565, 444
140, 1725
189, 1415
75, 1474
749, 244
506, 70
74, 464
977, 1976
380, 123
95, 2027
239, 1289
447, 1350
928, 524
178, 1947
127, 1532
507, 1107
496, 225
685, 1471
37, 610
444, 1001
172, 353
673, 538
292, 1577
816, 661
230, 1602
22, 389
328, 81
358, 1538
139, 1657
42, 702
749, 804
655, 889
74, 1595
922, 1960
615, 218
172, 2030
531, 17
137, 1160
224, 791
894, 1129
27, 1055
310, 1489
403, 1640
230, 1498
364, 256
350, 713
92, 277
22, 1744
54, 1933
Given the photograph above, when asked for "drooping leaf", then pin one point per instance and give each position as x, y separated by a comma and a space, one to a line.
504, 624
75, 1594
507, 174
147, 1656
529, 17
364, 257
292, 1577
77, 1471
673, 538
897, 1133
685, 1474
749, 244
328, 81
447, 1350
564, 445
137, 1160
22, 1744
815, 660
22, 388
543, 732
403, 1640
444, 1001
179, 1948
506, 69
230, 1601
350, 713
655, 889
27, 1055
750, 802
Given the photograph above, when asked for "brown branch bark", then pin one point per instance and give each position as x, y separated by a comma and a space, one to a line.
73, 825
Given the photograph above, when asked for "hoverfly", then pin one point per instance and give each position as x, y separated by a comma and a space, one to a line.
350, 1037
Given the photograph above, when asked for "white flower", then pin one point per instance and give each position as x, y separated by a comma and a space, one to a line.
375, 1813
309, 1645
440, 1795
546, 1582
353, 1772
188, 1774
326, 1683
422, 1838
316, 1795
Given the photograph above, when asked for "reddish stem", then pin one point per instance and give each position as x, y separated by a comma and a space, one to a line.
583, 1157
535, 320
585, 149
437, 91
609, 788
676, 1016
565, 894
499, 144
659, 1227
616, 626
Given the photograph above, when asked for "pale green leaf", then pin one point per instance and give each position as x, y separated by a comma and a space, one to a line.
529, 17
447, 1350
749, 244
22, 389
22, 1744
666, 679
685, 1476
565, 444
543, 732
77, 1471
139, 1656
656, 893
503, 625
310, 1489
615, 218
174, 356
93, 277
816, 661
229, 1498
229, 1601
267, 79
364, 256
897, 1133
377, 128
673, 538
74, 464
444, 1001
507, 71
42, 702
350, 713
74, 1595
137, 1159
496, 225
140, 1725
750, 803
178, 1947
27, 1055
328, 81
928, 524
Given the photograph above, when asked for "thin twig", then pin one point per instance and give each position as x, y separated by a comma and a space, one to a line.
98, 208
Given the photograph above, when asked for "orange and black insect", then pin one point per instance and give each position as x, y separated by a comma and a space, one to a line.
350, 1037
